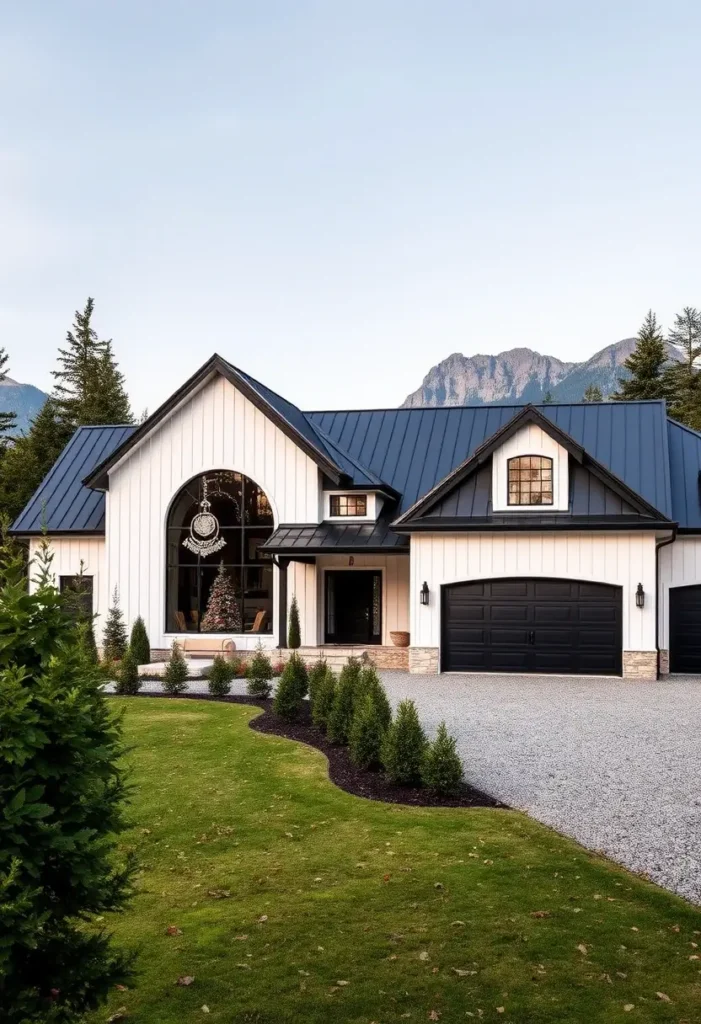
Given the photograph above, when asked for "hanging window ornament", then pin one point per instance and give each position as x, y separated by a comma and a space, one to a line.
204, 536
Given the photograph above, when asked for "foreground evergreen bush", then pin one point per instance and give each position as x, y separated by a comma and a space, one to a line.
294, 633
347, 692
176, 672
442, 769
139, 644
61, 808
370, 683
324, 696
259, 673
219, 677
114, 640
404, 746
316, 674
291, 689
367, 734
128, 681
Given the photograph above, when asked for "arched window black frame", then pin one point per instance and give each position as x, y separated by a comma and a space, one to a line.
245, 522
530, 480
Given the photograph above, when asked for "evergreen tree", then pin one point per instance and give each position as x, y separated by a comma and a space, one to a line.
404, 746
114, 640
316, 674
324, 697
294, 634
77, 604
89, 388
128, 679
442, 768
223, 614
8, 420
219, 677
176, 672
291, 689
347, 693
62, 796
645, 364
370, 683
367, 734
26, 462
548, 398
682, 380
259, 673
593, 394
139, 642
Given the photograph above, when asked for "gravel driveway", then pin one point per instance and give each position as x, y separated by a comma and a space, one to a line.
615, 765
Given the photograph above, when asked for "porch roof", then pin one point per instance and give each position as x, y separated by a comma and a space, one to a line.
336, 538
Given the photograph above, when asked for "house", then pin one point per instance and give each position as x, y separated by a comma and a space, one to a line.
551, 539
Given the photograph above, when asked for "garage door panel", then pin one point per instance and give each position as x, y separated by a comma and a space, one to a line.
685, 629
532, 625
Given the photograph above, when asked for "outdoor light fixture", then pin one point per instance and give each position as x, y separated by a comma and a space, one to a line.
424, 593
640, 596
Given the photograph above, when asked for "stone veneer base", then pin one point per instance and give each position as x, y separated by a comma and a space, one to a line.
424, 660
640, 665
664, 663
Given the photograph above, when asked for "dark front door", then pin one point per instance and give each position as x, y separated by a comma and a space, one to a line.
532, 625
353, 607
685, 629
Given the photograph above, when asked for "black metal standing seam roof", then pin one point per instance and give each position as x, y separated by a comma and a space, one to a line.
62, 503
685, 466
413, 449
313, 538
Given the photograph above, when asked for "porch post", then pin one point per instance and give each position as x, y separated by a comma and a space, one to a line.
282, 564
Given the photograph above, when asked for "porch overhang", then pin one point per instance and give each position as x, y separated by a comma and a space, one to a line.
293, 540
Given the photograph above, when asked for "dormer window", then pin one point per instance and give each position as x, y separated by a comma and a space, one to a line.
530, 480
348, 505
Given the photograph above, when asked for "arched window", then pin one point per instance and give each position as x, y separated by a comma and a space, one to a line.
218, 579
530, 480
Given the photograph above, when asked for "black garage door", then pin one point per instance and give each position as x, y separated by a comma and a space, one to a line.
532, 625
685, 629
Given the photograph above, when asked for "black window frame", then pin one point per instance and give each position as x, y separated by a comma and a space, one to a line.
240, 556
339, 505
546, 466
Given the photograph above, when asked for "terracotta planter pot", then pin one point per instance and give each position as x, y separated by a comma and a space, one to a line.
399, 638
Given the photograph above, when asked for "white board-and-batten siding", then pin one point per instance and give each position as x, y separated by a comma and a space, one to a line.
624, 560
215, 428
68, 555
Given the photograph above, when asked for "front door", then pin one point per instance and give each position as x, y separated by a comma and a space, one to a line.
353, 607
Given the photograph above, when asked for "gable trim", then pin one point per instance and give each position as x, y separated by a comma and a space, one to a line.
421, 509
99, 478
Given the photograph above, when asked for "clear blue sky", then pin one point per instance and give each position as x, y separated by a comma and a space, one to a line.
337, 194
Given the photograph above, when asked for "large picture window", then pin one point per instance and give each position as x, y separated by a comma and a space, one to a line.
218, 579
530, 480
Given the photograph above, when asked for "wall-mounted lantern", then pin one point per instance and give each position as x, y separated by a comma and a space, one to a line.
424, 593
640, 596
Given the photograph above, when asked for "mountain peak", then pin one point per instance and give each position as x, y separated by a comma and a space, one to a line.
521, 375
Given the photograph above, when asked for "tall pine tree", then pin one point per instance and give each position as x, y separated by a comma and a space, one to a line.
682, 380
8, 420
645, 364
593, 394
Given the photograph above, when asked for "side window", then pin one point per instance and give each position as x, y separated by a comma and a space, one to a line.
78, 592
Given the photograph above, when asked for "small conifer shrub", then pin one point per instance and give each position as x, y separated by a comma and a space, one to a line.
370, 683
404, 746
323, 701
114, 641
291, 689
294, 632
176, 672
139, 642
442, 769
219, 677
316, 674
128, 680
347, 692
259, 673
367, 734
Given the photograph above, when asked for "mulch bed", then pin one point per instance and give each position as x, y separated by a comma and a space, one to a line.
342, 771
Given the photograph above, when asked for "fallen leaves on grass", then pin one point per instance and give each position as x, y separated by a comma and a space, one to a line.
173, 929
185, 980
582, 949
461, 973
423, 955
434, 1015
262, 919
628, 1007
120, 1014
240, 938
663, 997
219, 894
540, 913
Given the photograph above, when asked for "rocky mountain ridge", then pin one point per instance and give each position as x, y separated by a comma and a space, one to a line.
520, 375
23, 399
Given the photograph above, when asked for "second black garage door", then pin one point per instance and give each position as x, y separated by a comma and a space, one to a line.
532, 625
685, 629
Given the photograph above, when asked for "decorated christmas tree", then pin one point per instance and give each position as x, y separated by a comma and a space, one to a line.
223, 613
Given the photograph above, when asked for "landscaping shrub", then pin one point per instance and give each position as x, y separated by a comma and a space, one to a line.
176, 672
404, 746
114, 640
442, 769
259, 673
370, 683
86, 641
367, 733
294, 633
316, 674
278, 669
61, 798
347, 692
291, 690
324, 697
128, 680
139, 644
219, 677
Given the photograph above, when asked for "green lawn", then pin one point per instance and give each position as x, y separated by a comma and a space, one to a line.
347, 910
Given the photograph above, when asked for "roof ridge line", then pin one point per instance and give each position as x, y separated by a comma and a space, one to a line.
485, 405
